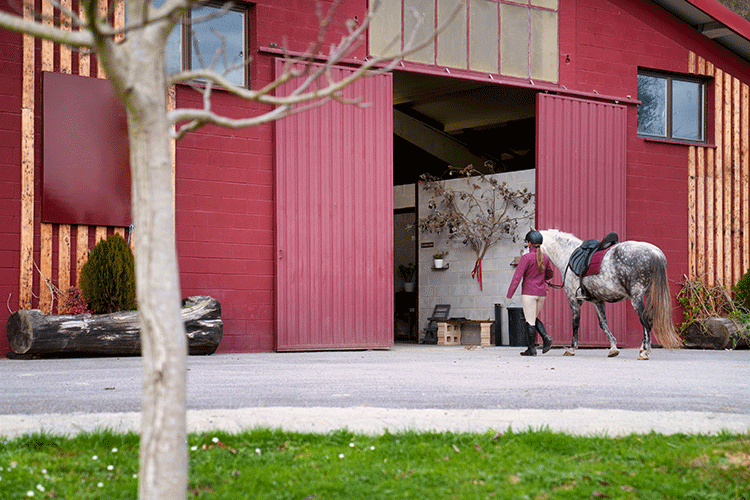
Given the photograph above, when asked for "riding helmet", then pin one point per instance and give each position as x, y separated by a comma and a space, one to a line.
534, 238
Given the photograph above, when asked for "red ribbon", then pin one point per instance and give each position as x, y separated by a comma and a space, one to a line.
477, 272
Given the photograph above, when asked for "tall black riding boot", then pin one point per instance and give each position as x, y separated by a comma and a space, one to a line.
546, 339
531, 341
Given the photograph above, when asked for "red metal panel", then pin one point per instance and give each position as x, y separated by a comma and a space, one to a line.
580, 185
334, 222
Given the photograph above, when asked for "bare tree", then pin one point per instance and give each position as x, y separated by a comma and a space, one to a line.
132, 57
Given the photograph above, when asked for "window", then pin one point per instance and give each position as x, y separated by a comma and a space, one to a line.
209, 29
672, 107
526, 29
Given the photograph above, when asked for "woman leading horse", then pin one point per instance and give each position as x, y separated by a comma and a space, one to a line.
631, 269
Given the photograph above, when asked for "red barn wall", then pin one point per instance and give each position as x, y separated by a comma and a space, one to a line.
606, 42
224, 185
10, 174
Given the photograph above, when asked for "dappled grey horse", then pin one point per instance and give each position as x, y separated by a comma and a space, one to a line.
631, 269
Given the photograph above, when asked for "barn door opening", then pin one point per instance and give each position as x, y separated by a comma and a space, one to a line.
580, 187
334, 221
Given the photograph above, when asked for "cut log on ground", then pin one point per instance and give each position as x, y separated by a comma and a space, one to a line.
714, 333
33, 333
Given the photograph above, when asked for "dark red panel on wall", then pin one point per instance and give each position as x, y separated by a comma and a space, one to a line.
86, 173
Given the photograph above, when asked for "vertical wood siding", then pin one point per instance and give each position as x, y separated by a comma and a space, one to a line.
718, 184
62, 249
334, 222
581, 163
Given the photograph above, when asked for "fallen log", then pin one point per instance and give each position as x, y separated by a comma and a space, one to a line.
33, 333
713, 333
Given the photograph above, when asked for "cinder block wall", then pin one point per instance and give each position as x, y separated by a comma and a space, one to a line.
455, 286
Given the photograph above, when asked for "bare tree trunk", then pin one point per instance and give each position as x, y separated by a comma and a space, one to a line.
163, 449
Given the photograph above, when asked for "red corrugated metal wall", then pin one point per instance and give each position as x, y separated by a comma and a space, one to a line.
334, 222
580, 185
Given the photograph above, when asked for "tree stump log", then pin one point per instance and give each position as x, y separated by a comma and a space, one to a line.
33, 333
711, 333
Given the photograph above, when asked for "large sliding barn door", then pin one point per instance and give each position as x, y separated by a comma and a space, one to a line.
334, 221
580, 186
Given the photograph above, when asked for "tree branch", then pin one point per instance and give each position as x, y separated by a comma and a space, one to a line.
80, 39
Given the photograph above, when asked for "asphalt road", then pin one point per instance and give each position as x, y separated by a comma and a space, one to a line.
409, 386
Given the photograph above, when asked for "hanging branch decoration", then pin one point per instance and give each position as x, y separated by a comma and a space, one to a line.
480, 215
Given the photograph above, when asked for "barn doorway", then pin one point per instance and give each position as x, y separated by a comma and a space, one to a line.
441, 121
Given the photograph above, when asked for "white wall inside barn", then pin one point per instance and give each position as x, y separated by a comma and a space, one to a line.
455, 286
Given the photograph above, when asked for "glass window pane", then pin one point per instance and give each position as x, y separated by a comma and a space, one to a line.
173, 51
687, 110
652, 112
547, 4
483, 36
451, 43
385, 30
544, 52
229, 28
425, 9
514, 40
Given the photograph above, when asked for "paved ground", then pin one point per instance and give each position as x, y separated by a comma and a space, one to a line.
408, 387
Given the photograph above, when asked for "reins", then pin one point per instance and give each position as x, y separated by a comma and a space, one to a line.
565, 273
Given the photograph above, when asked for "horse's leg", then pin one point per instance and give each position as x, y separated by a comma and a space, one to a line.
575, 309
647, 323
602, 315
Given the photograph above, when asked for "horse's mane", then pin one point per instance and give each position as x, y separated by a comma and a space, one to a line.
565, 236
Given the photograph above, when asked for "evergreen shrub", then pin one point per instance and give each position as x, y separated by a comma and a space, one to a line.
108, 278
741, 292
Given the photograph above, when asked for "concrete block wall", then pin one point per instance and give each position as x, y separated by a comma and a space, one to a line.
454, 285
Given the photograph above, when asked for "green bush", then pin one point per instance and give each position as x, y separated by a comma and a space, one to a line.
741, 292
108, 278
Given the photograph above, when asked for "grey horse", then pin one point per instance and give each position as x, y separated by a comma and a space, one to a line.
631, 269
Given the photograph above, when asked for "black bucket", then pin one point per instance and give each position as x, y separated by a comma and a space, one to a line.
516, 327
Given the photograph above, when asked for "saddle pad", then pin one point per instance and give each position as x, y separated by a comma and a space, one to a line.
596, 261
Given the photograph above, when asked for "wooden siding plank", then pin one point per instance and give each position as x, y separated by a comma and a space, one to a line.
45, 268
26, 276
719, 179
737, 187
84, 59
63, 253
700, 196
46, 298
100, 234
82, 249
727, 170
701, 213
745, 161
692, 195
710, 198
65, 53
692, 210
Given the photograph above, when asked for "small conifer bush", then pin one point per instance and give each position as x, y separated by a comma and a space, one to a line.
108, 278
741, 292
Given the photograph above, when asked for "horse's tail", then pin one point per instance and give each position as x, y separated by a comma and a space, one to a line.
661, 306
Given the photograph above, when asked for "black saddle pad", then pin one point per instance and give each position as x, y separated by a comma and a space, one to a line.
581, 257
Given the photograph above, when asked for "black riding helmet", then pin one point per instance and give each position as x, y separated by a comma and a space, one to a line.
534, 237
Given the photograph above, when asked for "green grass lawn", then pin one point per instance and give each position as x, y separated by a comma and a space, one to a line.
264, 463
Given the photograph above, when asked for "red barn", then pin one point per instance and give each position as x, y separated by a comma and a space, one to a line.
634, 114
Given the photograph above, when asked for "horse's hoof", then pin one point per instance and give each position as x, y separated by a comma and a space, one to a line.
643, 355
613, 353
569, 353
